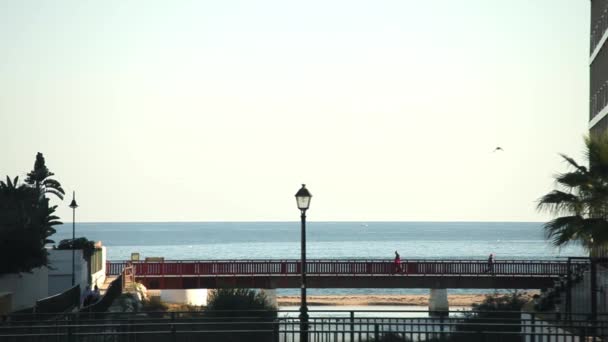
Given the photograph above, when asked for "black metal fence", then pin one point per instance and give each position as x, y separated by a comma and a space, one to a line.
324, 326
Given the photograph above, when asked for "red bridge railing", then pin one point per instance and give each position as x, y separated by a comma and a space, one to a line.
343, 267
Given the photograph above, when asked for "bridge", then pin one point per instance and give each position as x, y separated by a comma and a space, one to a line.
339, 273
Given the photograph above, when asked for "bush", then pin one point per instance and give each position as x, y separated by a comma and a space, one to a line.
242, 309
154, 307
395, 337
87, 246
498, 313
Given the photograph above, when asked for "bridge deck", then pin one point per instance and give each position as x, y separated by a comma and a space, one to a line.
348, 273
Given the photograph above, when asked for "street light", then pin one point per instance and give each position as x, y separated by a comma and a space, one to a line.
73, 205
303, 200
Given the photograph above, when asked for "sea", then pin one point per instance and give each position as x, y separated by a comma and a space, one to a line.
325, 240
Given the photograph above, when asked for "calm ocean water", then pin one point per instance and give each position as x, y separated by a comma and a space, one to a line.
281, 240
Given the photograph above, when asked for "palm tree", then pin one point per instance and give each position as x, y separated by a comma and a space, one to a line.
580, 200
39, 177
25, 226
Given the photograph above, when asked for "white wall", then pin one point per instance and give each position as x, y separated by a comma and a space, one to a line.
26, 288
189, 296
60, 272
99, 277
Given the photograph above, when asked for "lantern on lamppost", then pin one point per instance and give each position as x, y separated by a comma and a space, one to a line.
303, 199
73, 205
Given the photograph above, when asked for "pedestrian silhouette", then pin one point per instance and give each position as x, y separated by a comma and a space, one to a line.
397, 263
490, 263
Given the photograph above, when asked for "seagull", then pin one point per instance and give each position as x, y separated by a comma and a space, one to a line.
498, 149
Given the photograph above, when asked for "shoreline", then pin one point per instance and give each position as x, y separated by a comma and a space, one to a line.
362, 300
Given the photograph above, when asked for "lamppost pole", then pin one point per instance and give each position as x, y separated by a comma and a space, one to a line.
303, 305
303, 199
73, 205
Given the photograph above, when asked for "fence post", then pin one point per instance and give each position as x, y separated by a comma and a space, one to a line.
173, 333
376, 332
70, 334
276, 329
583, 334
593, 290
352, 326
532, 327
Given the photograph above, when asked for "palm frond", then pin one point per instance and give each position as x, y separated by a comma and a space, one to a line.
55, 192
563, 230
572, 162
54, 223
573, 179
53, 184
558, 201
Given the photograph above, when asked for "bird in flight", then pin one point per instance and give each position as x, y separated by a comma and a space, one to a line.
498, 149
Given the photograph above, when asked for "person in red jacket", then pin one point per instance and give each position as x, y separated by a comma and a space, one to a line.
397, 263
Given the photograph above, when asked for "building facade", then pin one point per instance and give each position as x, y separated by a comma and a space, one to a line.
598, 65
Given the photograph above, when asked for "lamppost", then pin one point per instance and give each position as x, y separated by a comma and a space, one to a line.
303, 199
73, 205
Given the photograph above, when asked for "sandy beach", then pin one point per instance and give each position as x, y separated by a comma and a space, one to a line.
419, 300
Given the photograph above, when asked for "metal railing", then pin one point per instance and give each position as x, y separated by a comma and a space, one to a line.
599, 100
599, 28
324, 326
341, 267
64, 301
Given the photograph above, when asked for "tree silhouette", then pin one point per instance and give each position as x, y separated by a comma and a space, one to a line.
39, 177
580, 200
26, 219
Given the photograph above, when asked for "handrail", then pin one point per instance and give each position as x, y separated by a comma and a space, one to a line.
346, 267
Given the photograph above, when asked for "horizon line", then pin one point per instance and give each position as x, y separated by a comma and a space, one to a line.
317, 221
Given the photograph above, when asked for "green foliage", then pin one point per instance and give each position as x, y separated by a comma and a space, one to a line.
27, 220
126, 302
390, 337
154, 304
580, 201
396, 337
39, 178
87, 246
512, 301
498, 313
235, 300
26, 223
243, 309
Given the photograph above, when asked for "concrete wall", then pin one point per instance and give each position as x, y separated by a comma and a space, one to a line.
26, 288
60, 274
438, 302
99, 277
190, 296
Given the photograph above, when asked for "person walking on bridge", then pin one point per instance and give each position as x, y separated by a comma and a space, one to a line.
490, 263
397, 263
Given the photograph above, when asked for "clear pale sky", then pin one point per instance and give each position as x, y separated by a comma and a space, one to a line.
219, 110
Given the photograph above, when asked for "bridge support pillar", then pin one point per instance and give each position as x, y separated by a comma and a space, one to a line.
271, 296
438, 302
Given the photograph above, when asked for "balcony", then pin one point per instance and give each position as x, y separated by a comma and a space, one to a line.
599, 103
599, 32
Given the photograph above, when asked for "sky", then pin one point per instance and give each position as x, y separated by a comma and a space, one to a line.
220, 110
